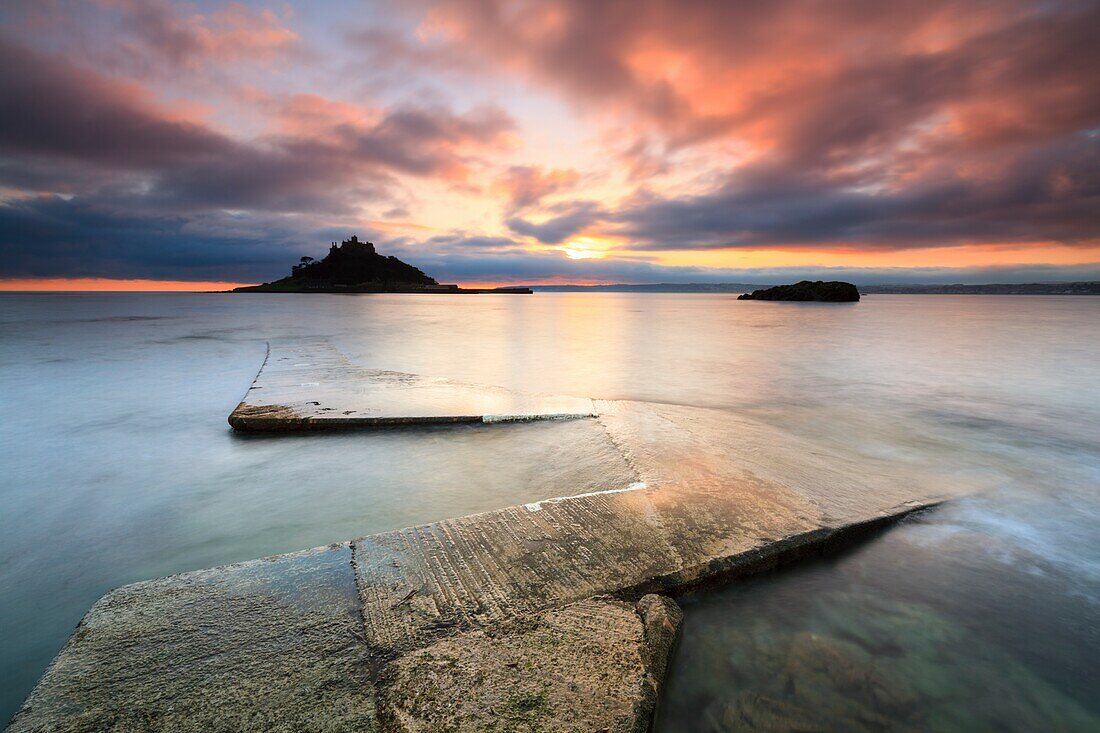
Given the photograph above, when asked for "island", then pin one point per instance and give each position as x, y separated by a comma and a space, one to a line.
353, 266
832, 291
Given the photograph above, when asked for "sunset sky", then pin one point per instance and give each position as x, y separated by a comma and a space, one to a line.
192, 144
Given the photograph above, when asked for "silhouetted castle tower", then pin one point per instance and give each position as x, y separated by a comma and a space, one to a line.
353, 246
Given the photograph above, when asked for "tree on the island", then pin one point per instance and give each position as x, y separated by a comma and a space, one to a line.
302, 264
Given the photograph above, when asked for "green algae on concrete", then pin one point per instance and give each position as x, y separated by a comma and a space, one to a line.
307, 384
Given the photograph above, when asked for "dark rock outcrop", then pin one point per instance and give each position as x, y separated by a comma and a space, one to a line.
808, 290
355, 267
351, 265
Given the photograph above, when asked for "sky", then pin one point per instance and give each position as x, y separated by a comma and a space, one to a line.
148, 144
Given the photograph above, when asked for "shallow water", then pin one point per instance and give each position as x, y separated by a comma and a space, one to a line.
118, 465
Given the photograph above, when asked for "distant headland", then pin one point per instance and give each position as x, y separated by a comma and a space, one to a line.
355, 267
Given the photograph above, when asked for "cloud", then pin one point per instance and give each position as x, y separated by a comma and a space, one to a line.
155, 29
527, 185
791, 73
873, 125
463, 243
58, 110
73, 120
389, 56
52, 237
513, 265
567, 219
1051, 193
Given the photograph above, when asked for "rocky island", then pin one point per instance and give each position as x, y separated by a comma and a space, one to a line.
832, 291
355, 267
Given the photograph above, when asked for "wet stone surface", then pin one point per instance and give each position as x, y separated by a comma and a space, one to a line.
307, 384
271, 644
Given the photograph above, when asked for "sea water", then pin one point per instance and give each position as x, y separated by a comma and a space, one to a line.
117, 465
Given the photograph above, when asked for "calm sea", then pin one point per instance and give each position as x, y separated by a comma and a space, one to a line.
117, 465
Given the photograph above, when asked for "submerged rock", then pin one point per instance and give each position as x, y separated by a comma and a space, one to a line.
860, 664
832, 291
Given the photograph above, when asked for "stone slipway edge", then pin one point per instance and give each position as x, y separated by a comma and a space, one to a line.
307, 384
535, 617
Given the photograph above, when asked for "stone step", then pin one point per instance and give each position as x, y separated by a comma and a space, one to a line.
308, 384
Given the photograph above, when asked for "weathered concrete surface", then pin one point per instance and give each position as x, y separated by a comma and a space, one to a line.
267, 645
307, 384
714, 494
594, 665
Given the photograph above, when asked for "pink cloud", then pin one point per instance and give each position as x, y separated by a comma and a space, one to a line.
184, 39
526, 186
797, 76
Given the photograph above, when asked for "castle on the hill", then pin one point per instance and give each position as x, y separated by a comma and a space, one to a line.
353, 247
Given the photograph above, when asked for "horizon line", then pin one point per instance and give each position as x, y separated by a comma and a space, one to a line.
145, 285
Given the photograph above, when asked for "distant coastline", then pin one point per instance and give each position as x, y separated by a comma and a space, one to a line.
1063, 288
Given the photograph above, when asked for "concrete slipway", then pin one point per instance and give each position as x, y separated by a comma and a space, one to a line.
553, 616
308, 384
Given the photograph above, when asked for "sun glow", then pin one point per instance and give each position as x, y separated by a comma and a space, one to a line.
586, 248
